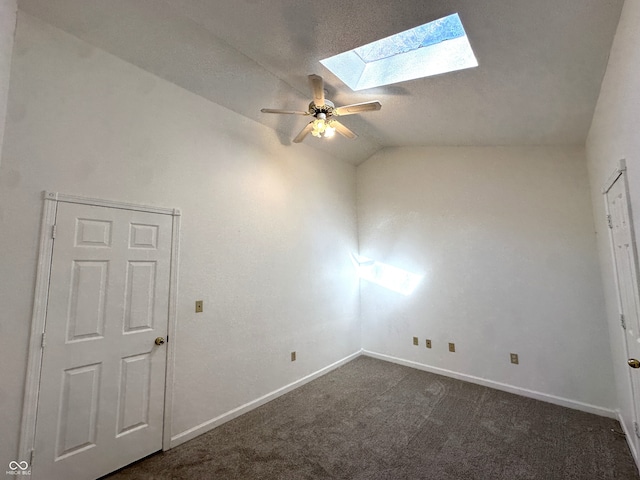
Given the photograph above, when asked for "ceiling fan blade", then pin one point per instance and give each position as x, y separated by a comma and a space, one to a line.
305, 131
317, 89
357, 108
342, 130
289, 112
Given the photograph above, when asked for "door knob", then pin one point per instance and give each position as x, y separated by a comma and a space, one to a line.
633, 363
160, 341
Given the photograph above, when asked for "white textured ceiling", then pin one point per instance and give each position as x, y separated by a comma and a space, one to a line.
540, 63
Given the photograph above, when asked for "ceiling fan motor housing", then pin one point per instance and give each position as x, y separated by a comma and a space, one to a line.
326, 109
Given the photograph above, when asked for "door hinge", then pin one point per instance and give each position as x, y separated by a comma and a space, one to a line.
622, 322
53, 231
44, 334
637, 429
609, 222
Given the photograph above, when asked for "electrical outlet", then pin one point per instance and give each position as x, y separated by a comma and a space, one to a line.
514, 358
415, 341
199, 306
452, 347
428, 343
293, 356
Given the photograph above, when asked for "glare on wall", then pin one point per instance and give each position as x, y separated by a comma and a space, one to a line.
387, 276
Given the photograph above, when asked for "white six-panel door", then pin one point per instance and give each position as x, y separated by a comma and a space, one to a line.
101, 395
625, 259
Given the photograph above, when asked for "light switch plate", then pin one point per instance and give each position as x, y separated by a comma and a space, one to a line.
452, 347
199, 306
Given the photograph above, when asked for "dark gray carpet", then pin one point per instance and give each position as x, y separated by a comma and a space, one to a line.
374, 420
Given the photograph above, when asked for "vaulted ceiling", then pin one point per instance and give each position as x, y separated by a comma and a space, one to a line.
540, 63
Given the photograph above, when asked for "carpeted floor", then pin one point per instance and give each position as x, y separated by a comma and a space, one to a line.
374, 420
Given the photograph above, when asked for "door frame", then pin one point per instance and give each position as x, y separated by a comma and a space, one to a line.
39, 314
619, 174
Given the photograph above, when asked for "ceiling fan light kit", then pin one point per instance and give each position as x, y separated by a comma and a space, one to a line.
322, 127
323, 111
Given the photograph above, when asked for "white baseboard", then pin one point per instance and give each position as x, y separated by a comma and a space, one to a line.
545, 397
629, 438
236, 412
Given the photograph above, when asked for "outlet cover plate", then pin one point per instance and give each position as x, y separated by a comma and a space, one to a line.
428, 343
514, 358
452, 347
415, 341
199, 306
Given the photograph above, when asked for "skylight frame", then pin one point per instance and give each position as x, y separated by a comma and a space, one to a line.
431, 49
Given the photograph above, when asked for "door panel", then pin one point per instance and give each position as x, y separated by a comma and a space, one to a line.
140, 296
101, 398
79, 410
86, 317
133, 403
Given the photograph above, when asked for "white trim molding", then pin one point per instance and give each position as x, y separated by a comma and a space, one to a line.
38, 319
622, 167
242, 409
629, 434
545, 397
236, 412
30, 401
98, 202
172, 331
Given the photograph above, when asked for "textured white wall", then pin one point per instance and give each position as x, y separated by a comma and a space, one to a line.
504, 237
8, 9
614, 135
267, 230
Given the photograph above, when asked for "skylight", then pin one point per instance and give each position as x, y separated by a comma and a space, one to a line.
433, 48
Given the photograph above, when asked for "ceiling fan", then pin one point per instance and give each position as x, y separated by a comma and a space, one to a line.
323, 111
